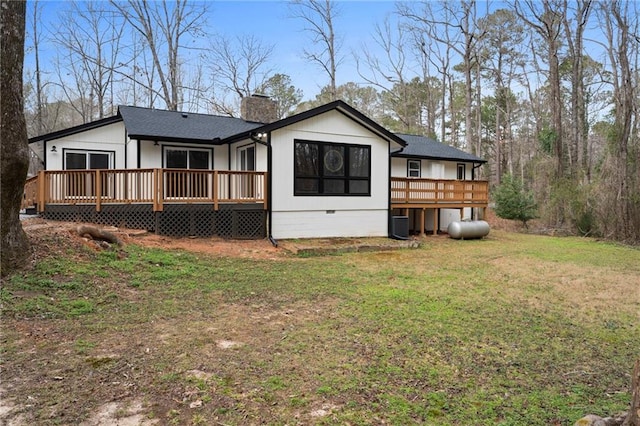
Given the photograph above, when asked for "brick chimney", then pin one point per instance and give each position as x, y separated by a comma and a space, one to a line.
259, 109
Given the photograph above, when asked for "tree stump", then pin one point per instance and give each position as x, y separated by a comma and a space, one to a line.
98, 234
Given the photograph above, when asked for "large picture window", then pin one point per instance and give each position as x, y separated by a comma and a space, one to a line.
323, 168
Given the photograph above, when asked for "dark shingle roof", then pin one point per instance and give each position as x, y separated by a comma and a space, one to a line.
153, 124
424, 147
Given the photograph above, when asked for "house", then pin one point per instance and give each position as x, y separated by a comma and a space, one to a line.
327, 172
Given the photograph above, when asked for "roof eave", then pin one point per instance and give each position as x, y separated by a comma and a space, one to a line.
432, 157
214, 141
338, 105
76, 129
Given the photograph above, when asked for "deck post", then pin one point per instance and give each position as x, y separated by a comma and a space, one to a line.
436, 213
461, 213
266, 188
422, 218
98, 183
42, 196
215, 190
157, 190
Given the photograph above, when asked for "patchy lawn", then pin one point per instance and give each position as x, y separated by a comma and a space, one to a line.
511, 330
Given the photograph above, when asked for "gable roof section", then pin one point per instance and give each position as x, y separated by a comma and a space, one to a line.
176, 126
424, 147
339, 106
76, 129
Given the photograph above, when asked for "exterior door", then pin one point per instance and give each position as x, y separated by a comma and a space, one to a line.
246, 162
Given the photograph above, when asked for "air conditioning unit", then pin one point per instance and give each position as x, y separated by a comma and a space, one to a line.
400, 227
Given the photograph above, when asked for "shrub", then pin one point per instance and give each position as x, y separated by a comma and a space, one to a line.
513, 202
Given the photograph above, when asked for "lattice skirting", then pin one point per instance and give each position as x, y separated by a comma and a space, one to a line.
181, 220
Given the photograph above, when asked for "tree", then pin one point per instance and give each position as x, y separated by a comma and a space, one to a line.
620, 187
91, 41
160, 25
364, 98
579, 127
513, 202
279, 88
501, 56
13, 136
239, 67
547, 24
319, 16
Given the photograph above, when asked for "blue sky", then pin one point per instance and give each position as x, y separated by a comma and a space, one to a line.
270, 21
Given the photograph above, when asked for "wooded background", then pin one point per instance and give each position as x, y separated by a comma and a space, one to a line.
545, 90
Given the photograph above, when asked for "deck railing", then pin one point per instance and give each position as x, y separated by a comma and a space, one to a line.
145, 186
439, 191
30, 194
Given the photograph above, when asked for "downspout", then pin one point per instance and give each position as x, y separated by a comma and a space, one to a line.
138, 152
389, 213
273, 241
474, 211
473, 170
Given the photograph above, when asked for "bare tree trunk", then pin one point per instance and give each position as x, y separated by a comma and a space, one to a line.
13, 137
547, 23
633, 418
36, 49
319, 16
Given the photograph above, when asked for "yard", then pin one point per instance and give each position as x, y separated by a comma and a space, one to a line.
511, 330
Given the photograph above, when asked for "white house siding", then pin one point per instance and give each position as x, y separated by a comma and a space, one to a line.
321, 216
108, 138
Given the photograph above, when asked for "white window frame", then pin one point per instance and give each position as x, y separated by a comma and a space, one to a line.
411, 170
209, 152
86, 152
243, 151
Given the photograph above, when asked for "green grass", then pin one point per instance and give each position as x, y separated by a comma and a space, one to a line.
510, 330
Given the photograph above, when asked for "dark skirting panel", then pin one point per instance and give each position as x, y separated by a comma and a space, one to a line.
235, 221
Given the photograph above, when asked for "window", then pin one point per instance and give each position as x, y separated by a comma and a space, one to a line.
413, 168
322, 168
187, 158
462, 171
83, 160
84, 184
180, 184
247, 157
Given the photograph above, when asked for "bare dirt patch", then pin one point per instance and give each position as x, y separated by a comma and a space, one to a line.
253, 249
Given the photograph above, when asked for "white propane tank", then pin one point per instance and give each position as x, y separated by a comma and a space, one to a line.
468, 230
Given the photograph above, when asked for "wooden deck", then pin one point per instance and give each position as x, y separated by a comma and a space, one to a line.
160, 187
157, 187
421, 194
438, 193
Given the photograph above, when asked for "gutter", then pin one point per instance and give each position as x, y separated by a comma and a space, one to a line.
269, 200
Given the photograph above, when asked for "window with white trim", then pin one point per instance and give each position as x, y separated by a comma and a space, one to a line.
187, 158
87, 160
462, 171
247, 158
413, 168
